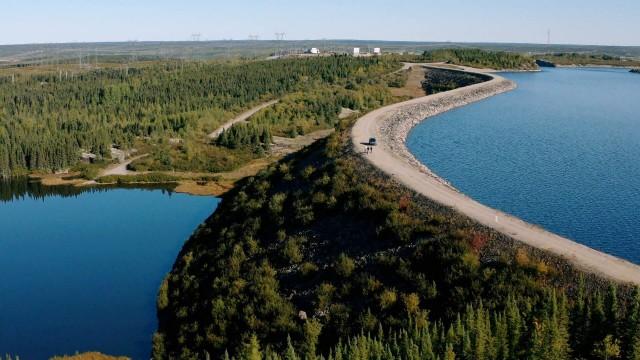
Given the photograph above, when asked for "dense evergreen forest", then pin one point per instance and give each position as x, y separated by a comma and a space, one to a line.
481, 59
47, 118
303, 112
321, 256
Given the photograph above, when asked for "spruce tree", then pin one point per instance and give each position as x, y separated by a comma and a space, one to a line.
632, 326
251, 349
290, 353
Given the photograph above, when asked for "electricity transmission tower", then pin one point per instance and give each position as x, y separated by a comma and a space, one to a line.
280, 39
254, 39
227, 46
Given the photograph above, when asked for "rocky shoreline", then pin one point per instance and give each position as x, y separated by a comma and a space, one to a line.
392, 124
395, 128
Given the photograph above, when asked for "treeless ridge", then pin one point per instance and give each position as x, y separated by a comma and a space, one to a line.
413, 87
391, 125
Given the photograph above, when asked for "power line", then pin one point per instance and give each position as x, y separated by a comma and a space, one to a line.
280, 39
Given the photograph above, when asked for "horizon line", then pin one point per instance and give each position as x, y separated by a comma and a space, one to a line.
312, 40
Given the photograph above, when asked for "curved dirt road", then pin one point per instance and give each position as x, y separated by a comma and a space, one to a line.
240, 118
121, 168
391, 125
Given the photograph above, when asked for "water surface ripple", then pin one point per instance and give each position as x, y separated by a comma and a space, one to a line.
561, 151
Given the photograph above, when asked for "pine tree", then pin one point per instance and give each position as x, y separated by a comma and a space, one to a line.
579, 320
598, 319
633, 326
251, 349
514, 327
558, 334
290, 354
634, 347
501, 337
612, 311
449, 354
312, 329
607, 349
481, 334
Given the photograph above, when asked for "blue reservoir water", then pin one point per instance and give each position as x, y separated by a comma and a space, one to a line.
79, 271
561, 151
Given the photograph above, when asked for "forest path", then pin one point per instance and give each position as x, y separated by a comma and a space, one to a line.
240, 118
121, 168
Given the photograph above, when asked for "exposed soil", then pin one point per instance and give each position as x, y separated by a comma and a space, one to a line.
413, 87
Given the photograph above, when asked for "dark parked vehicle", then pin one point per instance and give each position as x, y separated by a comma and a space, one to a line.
373, 141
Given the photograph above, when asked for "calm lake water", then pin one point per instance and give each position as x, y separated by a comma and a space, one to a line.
79, 271
561, 151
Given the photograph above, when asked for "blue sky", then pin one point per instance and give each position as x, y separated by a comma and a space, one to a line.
615, 22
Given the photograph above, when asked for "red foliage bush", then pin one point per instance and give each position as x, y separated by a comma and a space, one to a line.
478, 242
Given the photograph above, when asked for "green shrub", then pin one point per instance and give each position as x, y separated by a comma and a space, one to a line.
344, 266
151, 178
388, 298
291, 251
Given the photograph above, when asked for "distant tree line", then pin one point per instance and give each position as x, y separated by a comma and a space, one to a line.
481, 58
575, 58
